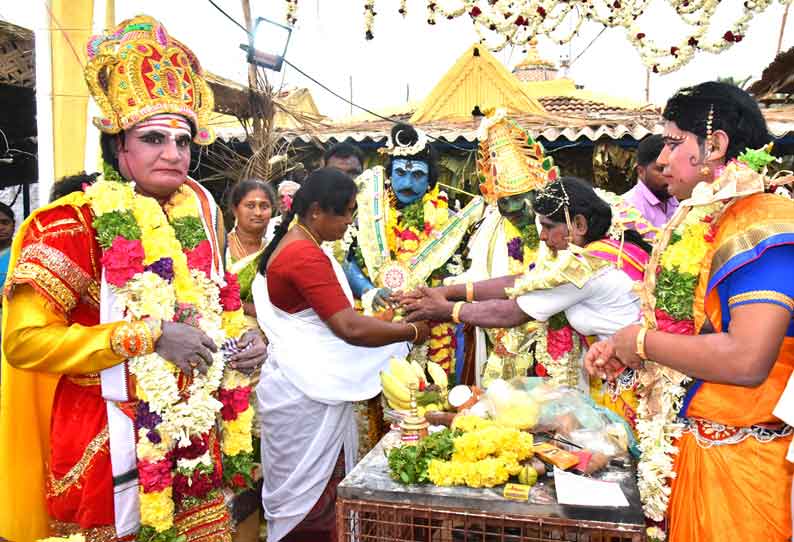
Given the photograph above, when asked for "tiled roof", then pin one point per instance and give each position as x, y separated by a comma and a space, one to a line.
568, 105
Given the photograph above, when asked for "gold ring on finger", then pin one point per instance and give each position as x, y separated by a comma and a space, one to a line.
193, 364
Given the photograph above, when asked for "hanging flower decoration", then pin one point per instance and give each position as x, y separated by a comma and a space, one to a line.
500, 23
369, 18
292, 9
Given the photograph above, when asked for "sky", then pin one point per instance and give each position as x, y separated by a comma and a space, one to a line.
407, 57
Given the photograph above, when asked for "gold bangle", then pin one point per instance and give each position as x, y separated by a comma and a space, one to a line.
469, 292
416, 332
641, 343
456, 311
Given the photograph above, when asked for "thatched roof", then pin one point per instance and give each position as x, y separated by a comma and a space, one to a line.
777, 79
16, 56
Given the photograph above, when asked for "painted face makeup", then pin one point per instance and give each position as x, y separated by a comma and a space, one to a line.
155, 154
410, 179
517, 208
681, 160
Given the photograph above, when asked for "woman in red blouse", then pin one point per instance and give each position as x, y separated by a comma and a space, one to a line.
323, 356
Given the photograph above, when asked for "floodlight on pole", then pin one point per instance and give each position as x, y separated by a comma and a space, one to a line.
267, 44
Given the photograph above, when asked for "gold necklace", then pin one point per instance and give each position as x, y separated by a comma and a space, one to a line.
239, 245
310, 234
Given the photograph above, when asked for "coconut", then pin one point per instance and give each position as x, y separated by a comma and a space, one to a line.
461, 397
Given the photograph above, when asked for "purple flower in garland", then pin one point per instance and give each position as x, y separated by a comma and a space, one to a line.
146, 418
515, 249
164, 267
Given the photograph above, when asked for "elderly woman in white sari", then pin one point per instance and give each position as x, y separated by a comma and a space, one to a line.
323, 356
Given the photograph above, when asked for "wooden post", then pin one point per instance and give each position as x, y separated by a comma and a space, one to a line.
782, 30
262, 113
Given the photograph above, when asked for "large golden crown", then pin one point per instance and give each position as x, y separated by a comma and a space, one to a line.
510, 161
140, 71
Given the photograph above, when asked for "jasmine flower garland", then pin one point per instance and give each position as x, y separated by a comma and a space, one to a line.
158, 265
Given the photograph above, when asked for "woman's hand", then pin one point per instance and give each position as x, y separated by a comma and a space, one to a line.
186, 346
253, 352
431, 306
600, 361
422, 332
625, 344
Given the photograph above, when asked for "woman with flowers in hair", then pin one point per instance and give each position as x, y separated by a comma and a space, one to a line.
714, 349
115, 312
581, 272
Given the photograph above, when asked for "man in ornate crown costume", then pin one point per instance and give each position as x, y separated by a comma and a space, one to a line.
114, 314
512, 168
406, 234
545, 282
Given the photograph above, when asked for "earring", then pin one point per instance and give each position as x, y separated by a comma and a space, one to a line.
705, 171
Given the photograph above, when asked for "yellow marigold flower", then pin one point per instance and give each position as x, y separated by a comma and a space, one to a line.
183, 203
71, 538
235, 379
234, 323
149, 215
148, 451
110, 196
468, 423
157, 509
237, 433
687, 254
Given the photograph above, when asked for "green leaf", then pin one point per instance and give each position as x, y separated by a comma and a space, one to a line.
757, 159
116, 223
189, 231
675, 293
413, 215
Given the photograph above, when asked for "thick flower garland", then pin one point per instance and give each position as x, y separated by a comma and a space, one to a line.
661, 390
408, 229
558, 352
668, 303
484, 455
411, 226
158, 261
522, 246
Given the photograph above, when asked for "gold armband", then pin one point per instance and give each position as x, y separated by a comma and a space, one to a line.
130, 339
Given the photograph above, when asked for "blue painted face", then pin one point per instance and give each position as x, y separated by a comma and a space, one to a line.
410, 179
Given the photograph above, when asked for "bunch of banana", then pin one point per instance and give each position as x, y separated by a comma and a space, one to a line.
397, 382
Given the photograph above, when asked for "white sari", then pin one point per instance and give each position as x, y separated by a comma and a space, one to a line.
304, 397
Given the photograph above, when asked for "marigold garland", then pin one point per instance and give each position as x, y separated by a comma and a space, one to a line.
157, 261
681, 254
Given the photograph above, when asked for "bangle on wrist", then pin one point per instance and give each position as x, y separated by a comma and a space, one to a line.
456, 311
469, 292
416, 332
641, 343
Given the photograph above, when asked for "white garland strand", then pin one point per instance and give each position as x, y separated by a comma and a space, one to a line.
500, 23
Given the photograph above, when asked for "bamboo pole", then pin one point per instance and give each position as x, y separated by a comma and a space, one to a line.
782, 29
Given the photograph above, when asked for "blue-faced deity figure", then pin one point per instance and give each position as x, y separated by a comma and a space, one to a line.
410, 179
